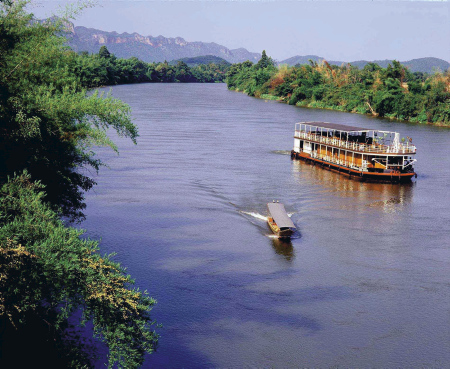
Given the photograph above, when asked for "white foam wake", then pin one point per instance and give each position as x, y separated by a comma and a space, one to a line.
274, 236
255, 215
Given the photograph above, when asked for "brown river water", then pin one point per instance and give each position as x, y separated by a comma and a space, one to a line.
365, 282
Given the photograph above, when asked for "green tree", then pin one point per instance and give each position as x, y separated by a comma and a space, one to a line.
396, 71
48, 122
47, 272
48, 126
104, 52
371, 67
183, 72
265, 61
387, 100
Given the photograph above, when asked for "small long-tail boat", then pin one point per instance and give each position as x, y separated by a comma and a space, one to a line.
279, 221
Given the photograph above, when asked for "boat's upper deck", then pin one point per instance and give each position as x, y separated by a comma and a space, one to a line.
354, 138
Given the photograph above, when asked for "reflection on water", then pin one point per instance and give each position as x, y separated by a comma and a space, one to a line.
284, 247
387, 197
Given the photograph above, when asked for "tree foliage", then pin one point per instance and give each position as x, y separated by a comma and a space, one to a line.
265, 61
48, 272
48, 122
392, 92
104, 52
104, 69
49, 125
251, 78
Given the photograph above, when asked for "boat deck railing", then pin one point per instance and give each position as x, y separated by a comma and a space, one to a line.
356, 146
345, 163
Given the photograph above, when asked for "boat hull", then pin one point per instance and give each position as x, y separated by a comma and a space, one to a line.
285, 233
393, 177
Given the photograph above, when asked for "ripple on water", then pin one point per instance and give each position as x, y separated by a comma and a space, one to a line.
366, 284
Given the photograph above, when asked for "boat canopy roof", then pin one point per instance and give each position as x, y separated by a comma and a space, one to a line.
336, 127
279, 215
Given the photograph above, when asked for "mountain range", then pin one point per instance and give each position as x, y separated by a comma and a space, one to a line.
160, 48
151, 49
428, 65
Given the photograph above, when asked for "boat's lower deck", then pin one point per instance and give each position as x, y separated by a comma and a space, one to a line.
391, 177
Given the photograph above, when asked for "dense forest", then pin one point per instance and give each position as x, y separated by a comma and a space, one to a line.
104, 69
392, 92
53, 281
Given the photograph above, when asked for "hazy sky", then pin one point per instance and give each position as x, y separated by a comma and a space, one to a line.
335, 30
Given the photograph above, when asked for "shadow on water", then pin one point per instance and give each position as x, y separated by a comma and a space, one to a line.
284, 248
229, 304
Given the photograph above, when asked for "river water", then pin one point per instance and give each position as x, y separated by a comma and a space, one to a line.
365, 283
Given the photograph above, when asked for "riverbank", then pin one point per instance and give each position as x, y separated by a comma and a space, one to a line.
392, 92
315, 105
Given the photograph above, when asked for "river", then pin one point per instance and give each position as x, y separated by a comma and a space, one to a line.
364, 283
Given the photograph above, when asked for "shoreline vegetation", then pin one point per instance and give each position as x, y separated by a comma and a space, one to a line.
393, 92
104, 69
60, 297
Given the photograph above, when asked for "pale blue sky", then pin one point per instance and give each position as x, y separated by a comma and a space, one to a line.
335, 30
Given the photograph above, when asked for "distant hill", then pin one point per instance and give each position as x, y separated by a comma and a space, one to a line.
197, 60
149, 48
158, 49
426, 65
301, 60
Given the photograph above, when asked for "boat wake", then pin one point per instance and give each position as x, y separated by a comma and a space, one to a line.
273, 236
281, 152
255, 215
259, 216
295, 236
